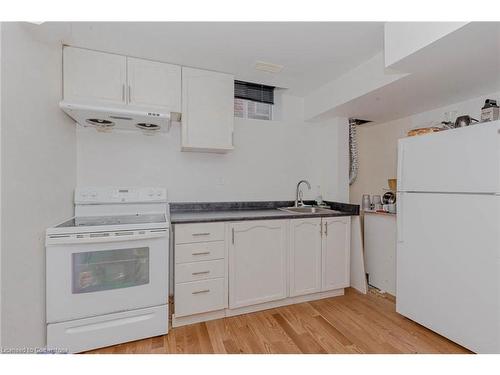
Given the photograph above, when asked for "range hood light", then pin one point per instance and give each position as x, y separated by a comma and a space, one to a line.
100, 125
148, 128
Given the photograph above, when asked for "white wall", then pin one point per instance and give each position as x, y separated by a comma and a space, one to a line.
268, 160
378, 144
38, 176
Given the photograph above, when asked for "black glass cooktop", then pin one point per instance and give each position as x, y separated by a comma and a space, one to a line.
90, 221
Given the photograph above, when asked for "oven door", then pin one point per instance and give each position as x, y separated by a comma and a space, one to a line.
94, 278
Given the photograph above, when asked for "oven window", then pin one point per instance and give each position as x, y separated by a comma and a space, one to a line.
110, 269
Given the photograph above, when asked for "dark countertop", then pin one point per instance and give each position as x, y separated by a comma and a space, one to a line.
194, 212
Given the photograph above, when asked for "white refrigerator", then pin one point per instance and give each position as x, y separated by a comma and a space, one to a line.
448, 234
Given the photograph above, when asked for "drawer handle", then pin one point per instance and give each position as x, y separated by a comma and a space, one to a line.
202, 253
201, 234
202, 291
200, 273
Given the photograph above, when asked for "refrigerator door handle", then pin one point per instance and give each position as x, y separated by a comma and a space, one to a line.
401, 153
399, 217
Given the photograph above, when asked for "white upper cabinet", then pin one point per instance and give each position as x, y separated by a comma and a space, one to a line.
336, 253
91, 76
257, 262
154, 84
305, 256
207, 111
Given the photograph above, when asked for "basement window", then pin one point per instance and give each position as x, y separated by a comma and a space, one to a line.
253, 101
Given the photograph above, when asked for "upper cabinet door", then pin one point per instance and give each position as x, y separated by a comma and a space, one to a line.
91, 76
305, 256
257, 262
154, 84
207, 110
336, 253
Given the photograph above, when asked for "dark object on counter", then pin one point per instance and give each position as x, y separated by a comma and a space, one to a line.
389, 198
465, 120
490, 111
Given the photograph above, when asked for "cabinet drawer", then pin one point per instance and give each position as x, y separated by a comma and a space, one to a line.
199, 296
194, 252
200, 232
186, 272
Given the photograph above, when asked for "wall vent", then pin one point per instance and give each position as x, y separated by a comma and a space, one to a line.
268, 67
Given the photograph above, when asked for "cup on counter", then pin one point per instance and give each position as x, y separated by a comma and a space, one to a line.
366, 202
377, 202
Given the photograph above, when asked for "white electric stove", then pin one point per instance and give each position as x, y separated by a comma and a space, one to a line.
107, 269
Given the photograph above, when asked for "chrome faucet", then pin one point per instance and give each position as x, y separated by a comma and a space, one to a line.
298, 193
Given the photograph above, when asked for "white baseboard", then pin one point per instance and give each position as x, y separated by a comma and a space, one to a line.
284, 302
219, 314
197, 318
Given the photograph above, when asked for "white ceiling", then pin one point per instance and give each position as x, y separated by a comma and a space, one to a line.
462, 65
312, 53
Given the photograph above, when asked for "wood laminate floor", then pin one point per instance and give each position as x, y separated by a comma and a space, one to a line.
353, 323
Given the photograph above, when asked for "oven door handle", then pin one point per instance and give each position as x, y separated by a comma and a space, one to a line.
83, 238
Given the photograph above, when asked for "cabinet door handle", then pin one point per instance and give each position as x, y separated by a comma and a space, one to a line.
201, 234
123, 92
321, 229
326, 228
232, 235
201, 291
200, 273
202, 253
129, 94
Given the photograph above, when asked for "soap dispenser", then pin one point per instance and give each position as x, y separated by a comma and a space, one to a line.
319, 197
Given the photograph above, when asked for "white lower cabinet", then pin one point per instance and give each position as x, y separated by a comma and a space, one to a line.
200, 296
200, 274
257, 262
305, 256
319, 254
261, 262
196, 271
336, 250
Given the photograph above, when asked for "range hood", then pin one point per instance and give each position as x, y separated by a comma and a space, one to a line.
107, 118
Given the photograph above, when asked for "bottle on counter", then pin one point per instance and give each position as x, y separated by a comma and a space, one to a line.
319, 197
377, 202
366, 203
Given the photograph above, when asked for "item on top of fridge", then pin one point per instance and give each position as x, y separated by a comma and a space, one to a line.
490, 111
425, 130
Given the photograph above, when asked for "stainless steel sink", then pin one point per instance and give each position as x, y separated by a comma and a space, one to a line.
308, 210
